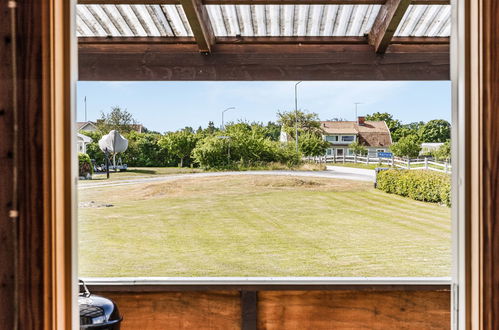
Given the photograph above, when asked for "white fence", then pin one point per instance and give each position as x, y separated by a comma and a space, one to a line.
398, 162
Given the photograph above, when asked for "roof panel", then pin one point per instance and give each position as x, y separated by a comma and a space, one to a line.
425, 21
291, 20
257, 20
132, 21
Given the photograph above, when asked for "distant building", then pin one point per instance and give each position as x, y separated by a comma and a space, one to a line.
90, 126
428, 148
81, 142
86, 126
373, 135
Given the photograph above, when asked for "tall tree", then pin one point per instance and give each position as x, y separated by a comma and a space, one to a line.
307, 122
437, 130
357, 148
117, 119
180, 144
393, 124
312, 145
408, 146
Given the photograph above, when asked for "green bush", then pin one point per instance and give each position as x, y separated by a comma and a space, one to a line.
84, 165
426, 186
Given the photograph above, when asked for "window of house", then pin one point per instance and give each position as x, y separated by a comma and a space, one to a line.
331, 138
348, 138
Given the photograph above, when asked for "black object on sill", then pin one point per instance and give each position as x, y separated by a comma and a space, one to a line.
97, 312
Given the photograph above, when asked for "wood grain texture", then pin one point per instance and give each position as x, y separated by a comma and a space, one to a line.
490, 164
200, 24
7, 226
354, 310
386, 23
262, 62
178, 310
32, 21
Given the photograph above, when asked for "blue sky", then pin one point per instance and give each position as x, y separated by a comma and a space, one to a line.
166, 106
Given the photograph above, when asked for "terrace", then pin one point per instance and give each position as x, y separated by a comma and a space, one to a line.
395, 41
269, 40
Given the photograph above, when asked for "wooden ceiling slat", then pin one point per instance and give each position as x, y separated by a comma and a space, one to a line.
386, 23
200, 24
260, 40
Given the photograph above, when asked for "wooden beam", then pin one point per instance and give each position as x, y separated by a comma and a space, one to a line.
199, 22
260, 40
259, 2
386, 23
262, 62
249, 310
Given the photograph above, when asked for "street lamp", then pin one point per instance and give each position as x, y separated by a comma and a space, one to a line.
296, 114
223, 127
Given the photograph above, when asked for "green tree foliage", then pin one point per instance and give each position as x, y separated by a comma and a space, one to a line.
357, 148
144, 150
307, 122
85, 168
118, 119
393, 124
408, 146
437, 130
444, 152
179, 144
242, 144
312, 145
273, 131
93, 149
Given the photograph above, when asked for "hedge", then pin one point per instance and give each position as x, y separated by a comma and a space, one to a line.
426, 186
84, 165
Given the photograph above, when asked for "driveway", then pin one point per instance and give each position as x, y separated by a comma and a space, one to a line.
333, 172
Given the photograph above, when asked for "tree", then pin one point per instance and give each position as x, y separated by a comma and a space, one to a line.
117, 119
408, 146
312, 145
273, 131
308, 122
444, 152
437, 130
393, 124
357, 148
179, 144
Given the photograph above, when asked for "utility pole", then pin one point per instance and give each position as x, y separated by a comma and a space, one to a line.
223, 126
85, 109
296, 114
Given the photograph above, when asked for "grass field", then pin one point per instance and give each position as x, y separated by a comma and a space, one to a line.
259, 226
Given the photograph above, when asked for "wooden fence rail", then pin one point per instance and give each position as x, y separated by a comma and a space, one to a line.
397, 162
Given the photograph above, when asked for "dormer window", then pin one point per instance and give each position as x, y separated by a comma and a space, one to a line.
348, 138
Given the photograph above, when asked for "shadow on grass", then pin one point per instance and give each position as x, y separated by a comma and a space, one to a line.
141, 171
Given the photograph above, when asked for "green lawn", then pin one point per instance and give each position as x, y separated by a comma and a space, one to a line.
259, 226
139, 172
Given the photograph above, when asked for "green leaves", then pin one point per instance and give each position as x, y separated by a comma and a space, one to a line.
408, 146
420, 185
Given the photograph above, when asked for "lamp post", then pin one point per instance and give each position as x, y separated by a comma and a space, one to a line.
223, 127
296, 114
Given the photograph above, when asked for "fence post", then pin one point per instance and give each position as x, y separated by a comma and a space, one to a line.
343, 158
446, 168
367, 159
426, 163
334, 156
393, 161
355, 158
408, 163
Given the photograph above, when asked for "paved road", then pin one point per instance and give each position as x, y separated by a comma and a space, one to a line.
333, 172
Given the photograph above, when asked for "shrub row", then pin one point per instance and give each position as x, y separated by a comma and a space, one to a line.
426, 186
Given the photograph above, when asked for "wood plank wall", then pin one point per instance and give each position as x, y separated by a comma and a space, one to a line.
489, 165
284, 309
6, 155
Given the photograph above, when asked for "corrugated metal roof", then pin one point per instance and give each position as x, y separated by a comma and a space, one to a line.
132, 21
256, 20
425, 21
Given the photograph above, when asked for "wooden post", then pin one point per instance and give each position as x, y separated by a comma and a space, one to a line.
334, 156
355, 158
446, 167
426, 163
393, 161
367, 159
408, 163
